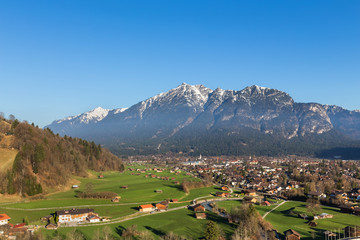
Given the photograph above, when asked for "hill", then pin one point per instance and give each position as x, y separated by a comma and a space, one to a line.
37, 160
192, 119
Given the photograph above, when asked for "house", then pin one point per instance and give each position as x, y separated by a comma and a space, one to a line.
51, 226
46, 218
116, 199
200, 215
292, 235
124, 187
329, 235
93, 218
101, 176
74, 215
225, 188
323, 216
174, 200
353, 231
146, 208
248, 199
75, 186
158, 191
312, 224
250, 192
266, 203
223, 194
4, 219
161, 207
199, 208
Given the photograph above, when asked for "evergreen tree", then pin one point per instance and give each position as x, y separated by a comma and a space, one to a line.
212, 231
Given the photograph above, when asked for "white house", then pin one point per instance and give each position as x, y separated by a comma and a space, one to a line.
4, 219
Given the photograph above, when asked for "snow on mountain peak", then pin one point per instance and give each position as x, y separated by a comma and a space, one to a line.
95, 115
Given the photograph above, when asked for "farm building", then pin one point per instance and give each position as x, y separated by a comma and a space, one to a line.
292, 235
74, 215
199, 208
4, 219
200, 215
146, 208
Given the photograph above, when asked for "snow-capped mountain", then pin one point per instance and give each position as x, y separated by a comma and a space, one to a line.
194, 111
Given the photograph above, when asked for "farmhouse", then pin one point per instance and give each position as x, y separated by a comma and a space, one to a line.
248, 199
199, 208
250, 192
323, 216
223, 194
200, 215
292, 235
225, 188
161, 207
146, 208
74, 215
116, 199
4, 219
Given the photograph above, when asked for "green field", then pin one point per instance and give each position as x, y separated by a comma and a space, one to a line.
181, 222
140, 190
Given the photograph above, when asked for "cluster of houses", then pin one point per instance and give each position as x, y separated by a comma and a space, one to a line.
159, 207
12, 231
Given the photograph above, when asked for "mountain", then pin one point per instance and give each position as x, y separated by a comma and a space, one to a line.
193, 118
41, 160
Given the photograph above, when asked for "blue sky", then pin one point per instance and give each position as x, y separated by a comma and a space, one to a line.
61, 58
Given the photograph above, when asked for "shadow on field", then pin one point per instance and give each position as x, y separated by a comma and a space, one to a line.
135, 208
155, 231
178, 187
119, 230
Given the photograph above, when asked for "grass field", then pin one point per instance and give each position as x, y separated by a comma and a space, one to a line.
7, 157
283, 219
140, 190
181, 222
228, 205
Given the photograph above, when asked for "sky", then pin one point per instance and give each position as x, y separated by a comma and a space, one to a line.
62, 58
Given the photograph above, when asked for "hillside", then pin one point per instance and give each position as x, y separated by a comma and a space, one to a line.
35, 160
192, 119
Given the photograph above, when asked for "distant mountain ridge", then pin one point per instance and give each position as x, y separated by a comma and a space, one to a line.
196, 113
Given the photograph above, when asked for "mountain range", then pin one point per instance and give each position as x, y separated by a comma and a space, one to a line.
195, 119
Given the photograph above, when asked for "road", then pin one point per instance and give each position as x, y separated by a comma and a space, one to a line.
274, 209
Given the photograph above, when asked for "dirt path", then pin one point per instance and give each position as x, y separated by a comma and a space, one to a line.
274, 209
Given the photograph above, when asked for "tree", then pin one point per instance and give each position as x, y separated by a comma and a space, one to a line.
26, 220
212, 231
313, 206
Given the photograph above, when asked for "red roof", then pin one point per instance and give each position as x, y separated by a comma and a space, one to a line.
3, 216
146, 206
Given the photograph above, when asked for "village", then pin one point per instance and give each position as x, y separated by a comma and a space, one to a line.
262, 182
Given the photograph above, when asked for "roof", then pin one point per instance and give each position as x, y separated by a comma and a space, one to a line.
74, 211
292, 232
4, 216
146, 206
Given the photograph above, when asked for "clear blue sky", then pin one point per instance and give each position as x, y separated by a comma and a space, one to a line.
61, 58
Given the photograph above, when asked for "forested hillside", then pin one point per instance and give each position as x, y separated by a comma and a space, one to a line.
45, 160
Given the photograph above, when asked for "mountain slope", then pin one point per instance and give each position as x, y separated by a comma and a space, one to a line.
184, 117
45, 160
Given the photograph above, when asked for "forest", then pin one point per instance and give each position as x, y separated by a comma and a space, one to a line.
46, 160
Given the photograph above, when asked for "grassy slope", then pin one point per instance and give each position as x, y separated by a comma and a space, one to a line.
181, 222
7, 157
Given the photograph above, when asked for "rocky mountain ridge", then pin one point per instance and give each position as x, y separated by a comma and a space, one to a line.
199, 110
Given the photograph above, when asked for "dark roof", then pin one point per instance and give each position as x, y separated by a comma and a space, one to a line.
292, 232
74, 211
